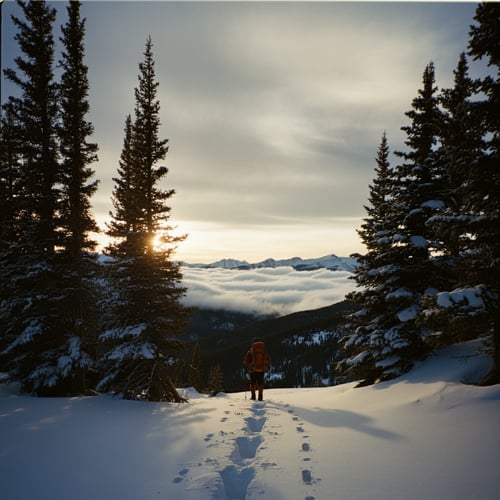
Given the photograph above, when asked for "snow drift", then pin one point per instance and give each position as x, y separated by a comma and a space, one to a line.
425, 435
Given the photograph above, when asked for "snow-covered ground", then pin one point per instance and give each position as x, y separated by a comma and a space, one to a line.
426, 435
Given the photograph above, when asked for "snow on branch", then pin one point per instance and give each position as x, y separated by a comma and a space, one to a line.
471, 297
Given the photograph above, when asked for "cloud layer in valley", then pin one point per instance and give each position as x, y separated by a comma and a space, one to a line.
279, 290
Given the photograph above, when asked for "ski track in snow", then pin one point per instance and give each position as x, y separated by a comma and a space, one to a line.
240, 478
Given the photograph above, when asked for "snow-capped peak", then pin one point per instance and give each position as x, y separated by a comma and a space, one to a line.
331, 262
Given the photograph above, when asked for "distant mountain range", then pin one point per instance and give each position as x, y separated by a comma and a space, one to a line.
331, 262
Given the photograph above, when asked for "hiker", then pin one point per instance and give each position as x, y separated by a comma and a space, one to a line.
257, 362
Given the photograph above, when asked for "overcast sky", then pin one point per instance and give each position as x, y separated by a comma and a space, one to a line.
274, 111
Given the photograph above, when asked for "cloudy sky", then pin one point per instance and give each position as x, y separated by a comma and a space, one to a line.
274, 111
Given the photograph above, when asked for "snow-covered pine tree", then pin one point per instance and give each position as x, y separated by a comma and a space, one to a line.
10, 192
419, 185
456, 311
76, 222
31, 305
485, 43
144, 319
418, 193
380, 347
370, 351
398, 269
462, 141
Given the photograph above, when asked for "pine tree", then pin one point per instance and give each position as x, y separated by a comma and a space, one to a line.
10, 195
457, 318
30, 315
75, 222
10, 190
418, 195
377, 348
125, 220
149, 148
398, 269
141, 331
36, 115
76, 152
462, 145
420, 182
485, 43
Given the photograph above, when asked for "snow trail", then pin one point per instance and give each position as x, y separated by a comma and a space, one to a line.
257, 436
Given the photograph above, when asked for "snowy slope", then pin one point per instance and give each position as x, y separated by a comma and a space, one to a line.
424, 436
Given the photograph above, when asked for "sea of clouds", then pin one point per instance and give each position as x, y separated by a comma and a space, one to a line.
281, 290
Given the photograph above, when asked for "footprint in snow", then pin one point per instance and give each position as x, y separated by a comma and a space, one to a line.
247, 446
258, 412
236, 482
306, 476
182, 473
255, 424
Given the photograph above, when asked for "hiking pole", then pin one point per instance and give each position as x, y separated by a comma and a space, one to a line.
245, 378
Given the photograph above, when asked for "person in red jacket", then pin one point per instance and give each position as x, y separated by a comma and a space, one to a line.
257, 361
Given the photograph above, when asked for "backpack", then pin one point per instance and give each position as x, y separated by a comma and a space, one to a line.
260, 361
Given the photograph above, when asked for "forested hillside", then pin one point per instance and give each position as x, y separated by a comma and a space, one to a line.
302, 346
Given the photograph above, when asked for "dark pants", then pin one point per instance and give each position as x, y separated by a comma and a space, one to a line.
257, 383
